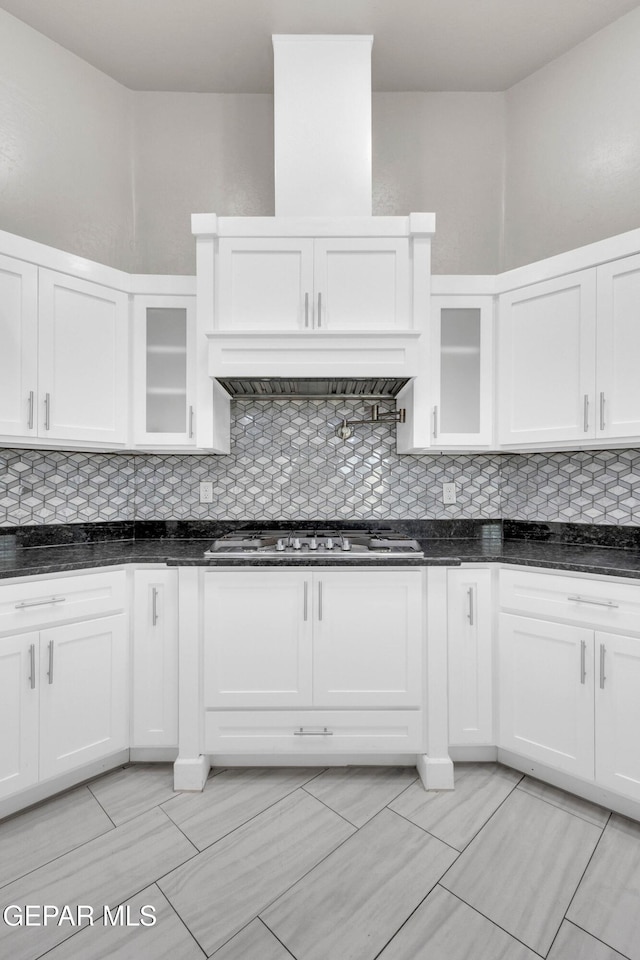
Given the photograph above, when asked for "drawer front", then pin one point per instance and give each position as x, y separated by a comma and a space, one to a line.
314, 731
36, 603
593, 603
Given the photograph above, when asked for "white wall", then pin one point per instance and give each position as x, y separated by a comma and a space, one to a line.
573, 147
65, 149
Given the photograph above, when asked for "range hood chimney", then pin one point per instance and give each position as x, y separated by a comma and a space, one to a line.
322, 125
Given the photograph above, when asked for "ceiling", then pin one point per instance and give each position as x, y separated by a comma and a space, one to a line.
225, 45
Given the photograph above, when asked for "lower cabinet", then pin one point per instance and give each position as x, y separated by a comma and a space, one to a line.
618, 712
470, 659
319, 644
155, 659
64, 699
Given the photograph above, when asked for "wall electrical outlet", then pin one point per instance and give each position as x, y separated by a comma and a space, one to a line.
206, 491
449, 493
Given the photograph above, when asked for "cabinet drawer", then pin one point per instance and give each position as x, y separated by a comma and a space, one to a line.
35, 603
303, 732
594, 603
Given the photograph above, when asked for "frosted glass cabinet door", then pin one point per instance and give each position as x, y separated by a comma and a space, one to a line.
165, 362
83, 339
19, 350
618, 374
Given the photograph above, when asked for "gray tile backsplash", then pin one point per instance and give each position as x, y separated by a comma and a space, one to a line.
287, 464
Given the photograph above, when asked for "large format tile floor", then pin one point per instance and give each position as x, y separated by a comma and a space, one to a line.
340, 864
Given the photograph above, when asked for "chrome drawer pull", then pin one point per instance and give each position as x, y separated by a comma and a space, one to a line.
30, 421
301, 732
306, 309
32, 666
319, 310
603, 651
602, 411
38, 603
191, 423
586, 413
47, 411
50, 670
435, 423
320, 600
583, 661
154, 606
470, 613
306, 599
595, 603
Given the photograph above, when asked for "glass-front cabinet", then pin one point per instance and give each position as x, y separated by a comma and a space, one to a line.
164, 378
461, 364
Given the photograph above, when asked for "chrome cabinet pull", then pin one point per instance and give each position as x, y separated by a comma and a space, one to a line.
38, 603
470, 599
301, 732
306, 599
435, 423
583, 661
319, 310
320, 600
306, 309
30, 418
191, 422
154, 606
586, 412
47, 411
32, 666
595, 603
602, 411
603, 651
50, 670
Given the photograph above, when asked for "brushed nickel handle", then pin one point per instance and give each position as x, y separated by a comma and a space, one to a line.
320, 600
435, 423
38, 603
470, 612
319, 310
595, 603
306, 309
306, 599
602, 402
154, 606
191, 422
50, 670
32, 666
47, 411
586, 413
603, 651
30, 417
301, 732
583, 661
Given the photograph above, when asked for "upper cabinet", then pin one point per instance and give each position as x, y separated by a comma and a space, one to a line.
618, 349
18, 356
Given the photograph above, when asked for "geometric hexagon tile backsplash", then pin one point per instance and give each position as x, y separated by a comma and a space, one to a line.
288, 464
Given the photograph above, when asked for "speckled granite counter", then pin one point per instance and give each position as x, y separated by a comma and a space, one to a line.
613, 551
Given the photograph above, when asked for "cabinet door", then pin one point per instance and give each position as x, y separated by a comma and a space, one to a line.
470, 656
155, 659
618, 713
164, 373
461, 351
546, 693
257, 639
18, 356
368, 639
83, 376
84, 693
361, 284
618, 400
265, 283
18, 712
547, 361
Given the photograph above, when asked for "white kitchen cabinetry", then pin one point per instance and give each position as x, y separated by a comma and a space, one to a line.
155, 659
19, 712
618, 349
19, 353
470, 637
319, 643
164, 382
617, 706
305, 284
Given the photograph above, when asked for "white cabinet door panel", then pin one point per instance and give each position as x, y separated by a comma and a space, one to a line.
469, 611
618, 378
546, 693
155, 659
83, 360
257, 639
19, 698
618, 713
18, 355
368, 639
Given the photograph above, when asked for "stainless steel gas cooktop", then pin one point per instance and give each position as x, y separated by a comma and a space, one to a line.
314, 545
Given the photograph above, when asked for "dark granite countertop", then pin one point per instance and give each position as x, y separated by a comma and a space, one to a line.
441, 550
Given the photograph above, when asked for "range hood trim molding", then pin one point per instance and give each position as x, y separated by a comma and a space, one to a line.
209, 225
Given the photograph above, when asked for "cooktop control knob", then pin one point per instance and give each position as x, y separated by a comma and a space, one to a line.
313, 544
281, 544
346, 544
296, 543
329, 543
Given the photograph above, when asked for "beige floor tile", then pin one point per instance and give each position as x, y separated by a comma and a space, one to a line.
574, 944
227, 885
358, 793
53, 828
129, 791
522, 870
352, 903
255, 942
444, 928
566, 801
106, 870
167, 939
607, 903
455, 816
231, 798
